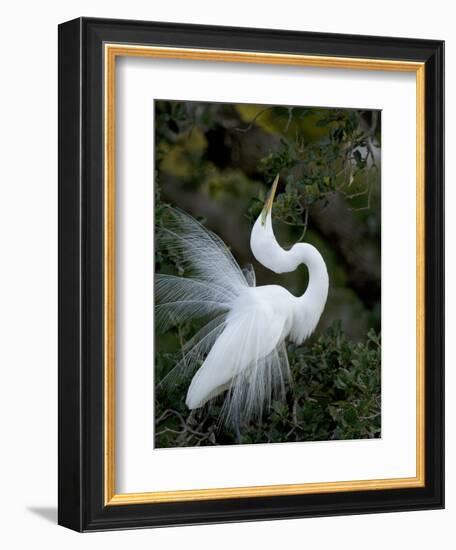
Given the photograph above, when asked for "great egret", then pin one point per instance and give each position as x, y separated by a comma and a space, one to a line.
242, 346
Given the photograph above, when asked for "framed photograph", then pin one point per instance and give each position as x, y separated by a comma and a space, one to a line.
250, 274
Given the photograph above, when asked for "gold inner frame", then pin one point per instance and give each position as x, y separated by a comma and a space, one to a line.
111, 52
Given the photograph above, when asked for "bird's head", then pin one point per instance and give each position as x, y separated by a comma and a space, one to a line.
263, 243
267, 250
267, 209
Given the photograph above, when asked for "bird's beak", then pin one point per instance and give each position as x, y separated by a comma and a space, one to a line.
268, 204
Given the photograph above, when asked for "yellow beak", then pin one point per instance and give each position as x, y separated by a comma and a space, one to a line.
269, 201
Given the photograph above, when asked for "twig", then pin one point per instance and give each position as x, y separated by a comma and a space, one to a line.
306, 220
290, 116
252, 122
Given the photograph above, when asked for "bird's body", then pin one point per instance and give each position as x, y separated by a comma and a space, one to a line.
259, 321
242, 347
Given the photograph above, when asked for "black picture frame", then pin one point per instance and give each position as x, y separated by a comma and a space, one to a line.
81, 400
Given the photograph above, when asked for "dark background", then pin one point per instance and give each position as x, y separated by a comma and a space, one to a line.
217, 161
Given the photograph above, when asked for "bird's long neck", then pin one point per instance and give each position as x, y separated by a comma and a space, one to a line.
304, 253
309, 307
269, 253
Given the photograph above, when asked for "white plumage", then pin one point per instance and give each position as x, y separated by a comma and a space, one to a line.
242, 346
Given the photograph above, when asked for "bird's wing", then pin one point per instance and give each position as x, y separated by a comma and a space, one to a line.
179, 299
195, 350
249, 274
248, 359
202, 254
212, 283
213, 277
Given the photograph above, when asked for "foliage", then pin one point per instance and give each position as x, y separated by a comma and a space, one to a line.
335, 395
320, 152
340, 163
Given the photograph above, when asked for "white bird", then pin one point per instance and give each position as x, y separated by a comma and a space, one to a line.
241, 349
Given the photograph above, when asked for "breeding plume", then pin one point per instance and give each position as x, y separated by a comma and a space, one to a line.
240, 351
